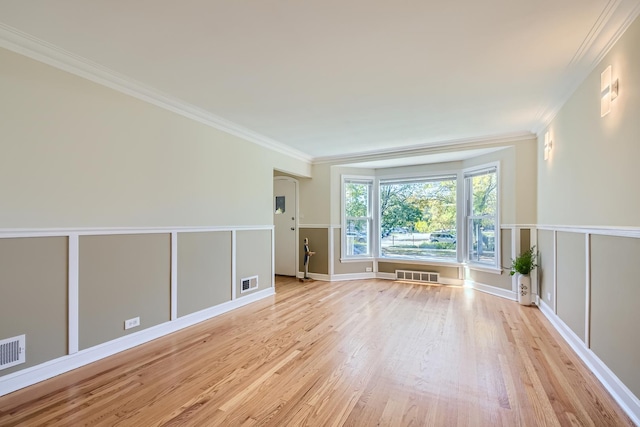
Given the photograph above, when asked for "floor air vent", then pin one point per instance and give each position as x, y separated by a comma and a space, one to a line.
417, 276
249, 283
12, 351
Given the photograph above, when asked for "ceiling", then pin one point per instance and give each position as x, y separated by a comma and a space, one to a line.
326, 79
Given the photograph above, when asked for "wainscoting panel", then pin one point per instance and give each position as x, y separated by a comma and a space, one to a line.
204, 270
615, 294
571, 279
546, 267
506, 236
525, 239
591, 275
251, 247
500, 281
33, 278
318, 243
70, 291
122, 277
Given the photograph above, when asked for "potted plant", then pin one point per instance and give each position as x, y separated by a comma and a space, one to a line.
524, 264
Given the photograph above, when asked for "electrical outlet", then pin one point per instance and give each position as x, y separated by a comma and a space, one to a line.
132, 323
368, 269
548, 296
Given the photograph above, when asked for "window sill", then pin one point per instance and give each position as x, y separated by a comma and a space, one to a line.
453, 263
358, 259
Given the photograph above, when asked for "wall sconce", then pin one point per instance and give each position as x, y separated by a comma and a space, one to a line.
608, 91
548, 144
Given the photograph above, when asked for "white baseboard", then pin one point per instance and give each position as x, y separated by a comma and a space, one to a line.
339, 277
620, 392
44, 371
353, 276
503, 293
451, 282
315, 276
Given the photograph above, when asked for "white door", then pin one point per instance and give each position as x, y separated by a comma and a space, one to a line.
285, 207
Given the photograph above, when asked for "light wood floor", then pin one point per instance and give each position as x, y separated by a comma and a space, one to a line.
362, 353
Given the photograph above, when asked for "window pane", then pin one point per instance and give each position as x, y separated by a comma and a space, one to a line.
280, 207
484, 194
357, 237
356, 199
357, 217
418, 219
482, 240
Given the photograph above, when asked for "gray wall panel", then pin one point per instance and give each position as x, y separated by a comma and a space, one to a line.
318, 243
33, 285
571, 281
122, 277
204, 270
253, 258
615, 293
546, 266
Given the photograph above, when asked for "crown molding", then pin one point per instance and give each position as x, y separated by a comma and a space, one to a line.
615, 18
430, 148
42, 51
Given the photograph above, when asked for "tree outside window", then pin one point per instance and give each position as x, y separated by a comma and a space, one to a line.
358, 217
482, 209
418, 218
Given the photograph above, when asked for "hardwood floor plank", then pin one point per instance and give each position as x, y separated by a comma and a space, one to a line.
356, 353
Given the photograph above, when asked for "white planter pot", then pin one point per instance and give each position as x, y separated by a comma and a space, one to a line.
524, 289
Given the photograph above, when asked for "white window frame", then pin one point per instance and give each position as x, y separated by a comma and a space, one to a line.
466, 175
369, 218
433, 176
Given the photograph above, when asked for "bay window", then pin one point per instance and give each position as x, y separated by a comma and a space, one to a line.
449, 218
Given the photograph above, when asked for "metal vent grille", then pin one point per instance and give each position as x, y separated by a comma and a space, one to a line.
418, 276
12, 351
249, 283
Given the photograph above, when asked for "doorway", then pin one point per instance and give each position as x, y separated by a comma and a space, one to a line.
285, 221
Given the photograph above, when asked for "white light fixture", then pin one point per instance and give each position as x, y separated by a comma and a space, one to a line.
608, 91
548, 144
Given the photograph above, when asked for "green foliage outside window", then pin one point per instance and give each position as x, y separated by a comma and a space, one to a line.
356, 199
484, 194
420, 207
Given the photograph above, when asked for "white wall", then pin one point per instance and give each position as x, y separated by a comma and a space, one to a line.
315, 196
591, 176
77, 154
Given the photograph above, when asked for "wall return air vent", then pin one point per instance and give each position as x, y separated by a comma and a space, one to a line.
418, 276
12, 351
249, 284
